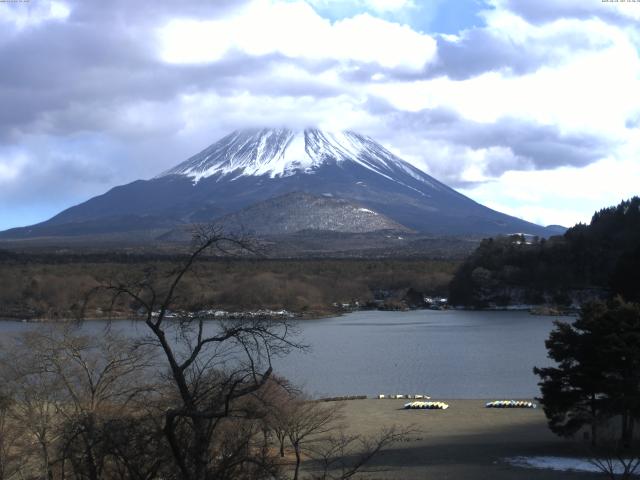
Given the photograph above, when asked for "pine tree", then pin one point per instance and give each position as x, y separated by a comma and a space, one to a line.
597, 375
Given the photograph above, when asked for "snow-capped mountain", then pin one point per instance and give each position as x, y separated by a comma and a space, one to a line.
252, 166
283, 152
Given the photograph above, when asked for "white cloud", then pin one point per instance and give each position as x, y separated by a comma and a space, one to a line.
591, 91
378, 6
384, 6
29, 14
11, 165
561, 196
333, 113
295, 30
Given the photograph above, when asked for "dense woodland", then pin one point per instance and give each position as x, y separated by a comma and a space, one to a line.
56, 285
595, 260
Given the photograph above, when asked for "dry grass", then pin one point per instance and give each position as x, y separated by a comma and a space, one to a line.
467, 441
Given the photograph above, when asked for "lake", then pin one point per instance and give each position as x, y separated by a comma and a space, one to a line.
442, 353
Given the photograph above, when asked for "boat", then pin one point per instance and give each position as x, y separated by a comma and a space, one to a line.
426, 405
510, 404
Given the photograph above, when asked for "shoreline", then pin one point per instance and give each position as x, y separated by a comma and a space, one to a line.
466, 441
536, 310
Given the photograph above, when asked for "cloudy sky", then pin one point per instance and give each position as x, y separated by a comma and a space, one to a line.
531, 107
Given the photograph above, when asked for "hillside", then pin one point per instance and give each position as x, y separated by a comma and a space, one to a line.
595, 260
297, 212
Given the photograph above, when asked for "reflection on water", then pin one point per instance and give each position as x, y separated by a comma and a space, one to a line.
446, 354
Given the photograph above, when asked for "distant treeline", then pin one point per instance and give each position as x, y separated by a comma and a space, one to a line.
53, 257
57, 285
596, 260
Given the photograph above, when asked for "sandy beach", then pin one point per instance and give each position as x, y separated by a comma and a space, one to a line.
466, 441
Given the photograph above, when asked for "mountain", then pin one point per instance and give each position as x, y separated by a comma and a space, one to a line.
234, 175
296, 212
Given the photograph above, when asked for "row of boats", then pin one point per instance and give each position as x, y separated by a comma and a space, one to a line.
493, 404
396, 396
510, 404
426, 405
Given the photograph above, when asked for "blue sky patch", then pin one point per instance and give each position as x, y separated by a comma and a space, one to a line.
428, 16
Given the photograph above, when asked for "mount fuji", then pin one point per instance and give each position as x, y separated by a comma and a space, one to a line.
279, 181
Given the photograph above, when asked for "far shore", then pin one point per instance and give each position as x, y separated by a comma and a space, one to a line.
541, 310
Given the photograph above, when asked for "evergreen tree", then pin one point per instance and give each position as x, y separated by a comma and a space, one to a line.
597, 375
601, 259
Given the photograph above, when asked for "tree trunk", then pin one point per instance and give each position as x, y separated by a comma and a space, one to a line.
46, 461
265, 442
169, 430
200, 450
296, 448
627, 429
594, 421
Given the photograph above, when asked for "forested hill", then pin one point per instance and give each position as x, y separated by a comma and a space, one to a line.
599, 259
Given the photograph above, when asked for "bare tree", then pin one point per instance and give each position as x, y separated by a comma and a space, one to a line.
304, 421
342, 456
276, 398
63, 384
211, 369
100, 377
611, 457
11, 460
617, 466
36, 396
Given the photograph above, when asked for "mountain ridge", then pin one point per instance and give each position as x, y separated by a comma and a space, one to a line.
251, 166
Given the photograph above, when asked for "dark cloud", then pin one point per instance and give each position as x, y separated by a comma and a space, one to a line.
479, 50
78, 75
125, 12
531, 145
53, 71
543, 11
58, 170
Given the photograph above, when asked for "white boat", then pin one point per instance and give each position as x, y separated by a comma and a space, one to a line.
426, 405
510, 404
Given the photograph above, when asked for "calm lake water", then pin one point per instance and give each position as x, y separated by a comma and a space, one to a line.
445, 354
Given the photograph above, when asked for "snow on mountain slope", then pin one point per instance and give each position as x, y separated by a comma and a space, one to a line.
283, 152
250, 167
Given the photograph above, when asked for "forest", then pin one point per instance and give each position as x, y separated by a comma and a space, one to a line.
56, 286
591, 261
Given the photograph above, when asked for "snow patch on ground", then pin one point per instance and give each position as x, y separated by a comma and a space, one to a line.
366, 210
563, 464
